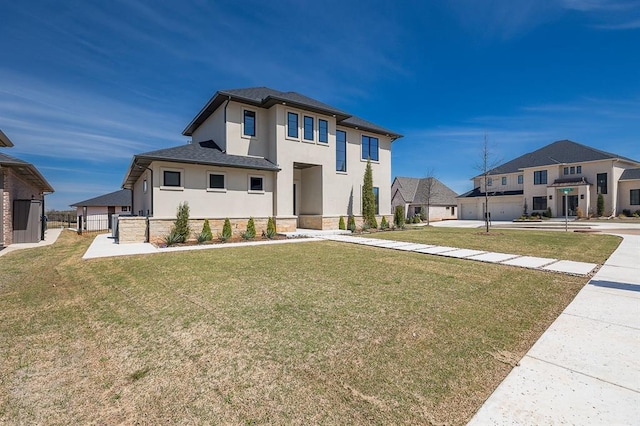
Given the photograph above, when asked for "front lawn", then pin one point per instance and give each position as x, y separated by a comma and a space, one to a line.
315, 332
577, 246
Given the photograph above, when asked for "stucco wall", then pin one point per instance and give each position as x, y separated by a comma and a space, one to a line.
212, 128
624, 197
14, 188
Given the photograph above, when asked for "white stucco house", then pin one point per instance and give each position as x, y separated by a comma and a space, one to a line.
415, 194
540, 178
260, 153
95, 213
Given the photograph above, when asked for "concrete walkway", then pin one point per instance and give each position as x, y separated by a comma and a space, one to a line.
530, 262
585, 369
50, 237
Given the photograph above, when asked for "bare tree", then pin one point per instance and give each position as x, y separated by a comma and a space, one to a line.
486, 165
429, 190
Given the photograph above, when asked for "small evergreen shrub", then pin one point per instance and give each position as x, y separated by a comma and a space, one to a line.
341, 224
398, 216
351, 223
206, 231
181, 225
383, 223
226, 230
173, 238
600, 208
271, 228
251, 229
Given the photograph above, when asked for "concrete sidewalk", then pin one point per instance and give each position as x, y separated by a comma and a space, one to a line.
50, 237
585, 369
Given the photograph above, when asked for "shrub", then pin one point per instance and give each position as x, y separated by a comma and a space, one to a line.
271, 228
600, 208
181, 225
202, 237
636, 213
547, 213
173, 238
365, 226
398, 216
206, 231
627, 212
251, 229
341, 224
383, 223
416, 219
368, 198
226, 230
351, 223
423, 215
579, 213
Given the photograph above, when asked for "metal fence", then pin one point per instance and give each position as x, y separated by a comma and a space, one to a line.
61, 220
95, 223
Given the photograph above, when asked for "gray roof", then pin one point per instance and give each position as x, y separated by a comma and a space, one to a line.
116, 198
415, 191
630, 174
4, 140
207, 153
559, 152
265, 97
27, 171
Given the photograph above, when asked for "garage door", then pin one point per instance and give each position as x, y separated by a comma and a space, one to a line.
468, 212
501, 210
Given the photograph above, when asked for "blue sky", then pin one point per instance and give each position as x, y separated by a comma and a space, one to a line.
84, 85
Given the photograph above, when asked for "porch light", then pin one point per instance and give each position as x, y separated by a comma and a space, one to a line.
551, 197
582, 196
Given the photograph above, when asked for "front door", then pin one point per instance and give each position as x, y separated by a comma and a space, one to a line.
572, 205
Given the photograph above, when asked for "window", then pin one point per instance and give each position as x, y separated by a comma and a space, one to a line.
144, 186
489, 181
323, 131
249, 128
292, 125
540, 177
565, 171
216, 181
504, 180
601, 179
369, 148
572, 170
308, 128
124, 208
453, 210
256, 184
520, 179
579, 170
539, 203
417, 211
171, 178
634, 196
341, 151
376, 192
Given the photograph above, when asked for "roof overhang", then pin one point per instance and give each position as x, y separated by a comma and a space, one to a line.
30, 174
4, 140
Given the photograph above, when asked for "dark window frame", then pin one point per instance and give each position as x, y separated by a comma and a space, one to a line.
249, 116
634, 197
341, 148
323, 134
602, 182
367, 150
168, 173
305, 128
296, 127
251, 184
376, 198
539, 203
224, 181
540, 177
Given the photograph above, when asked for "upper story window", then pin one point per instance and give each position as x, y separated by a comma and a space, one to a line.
292, 125
540, 177
216, 181
504, 180
323, 131
572, 170
579, 170
489, 181
249, 123
565, 171
308, 128
256, 184
341, 151
369, 148
601, 179
171, 178
520, 179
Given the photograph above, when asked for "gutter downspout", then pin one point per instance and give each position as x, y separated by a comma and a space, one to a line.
225, 122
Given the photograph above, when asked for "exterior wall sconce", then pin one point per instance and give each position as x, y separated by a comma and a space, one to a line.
582, 196
551, 197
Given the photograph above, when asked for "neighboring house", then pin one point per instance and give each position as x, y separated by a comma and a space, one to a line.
536, 182
22, 190
259, 152
96, 212
414, 194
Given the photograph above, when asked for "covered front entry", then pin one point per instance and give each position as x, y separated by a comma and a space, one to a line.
307, 198
27, 221
571, 204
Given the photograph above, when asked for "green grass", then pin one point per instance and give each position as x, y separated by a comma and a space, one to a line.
313, 332
580, 247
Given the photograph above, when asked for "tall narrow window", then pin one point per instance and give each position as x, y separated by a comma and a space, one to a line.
504, 180
565, 171
308, 128
572, 170
292, 125
341, 151
376, 193
489, 181
323, 131
249, 127
601, 179
369, 148
520, 179
579, 170
634, 195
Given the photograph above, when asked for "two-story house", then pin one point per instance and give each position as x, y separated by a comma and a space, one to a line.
22, 190
260, 153
538, 181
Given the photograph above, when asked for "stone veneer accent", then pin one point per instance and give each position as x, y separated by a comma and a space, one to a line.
330, 222
132, 229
